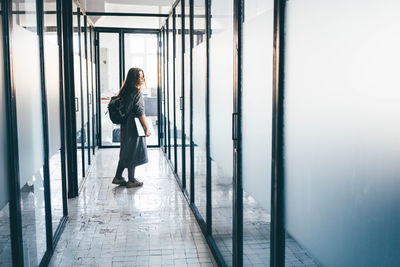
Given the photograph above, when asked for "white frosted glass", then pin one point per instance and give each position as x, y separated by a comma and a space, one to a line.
77, 73
199, 96
84, 90
221, 97
4, 197
342, 146
257, 107
53, 92
29, 102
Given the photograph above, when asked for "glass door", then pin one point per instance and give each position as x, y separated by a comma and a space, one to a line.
109, 84
78, 97
141, 51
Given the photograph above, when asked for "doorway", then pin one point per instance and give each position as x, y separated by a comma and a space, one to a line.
118, 51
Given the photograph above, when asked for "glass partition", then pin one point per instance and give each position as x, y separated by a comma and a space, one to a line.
89, 90
342, 178
109, 84
221, 109
52, 76
78, 98
26, 74
85, 111
257, 131
178, 89
199, 107
162, 88
141, 52
94, 95
186, 100
171, 101
5, 238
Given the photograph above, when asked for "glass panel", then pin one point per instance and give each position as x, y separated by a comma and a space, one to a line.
163, 89
5, 239
178, 88
342, 143
141, 52
26, 71
221, 109
109, 84
94, 91
257, 131
171, 102
199, 107
186, 99
90, 91
85, 105
52, 68
78, 98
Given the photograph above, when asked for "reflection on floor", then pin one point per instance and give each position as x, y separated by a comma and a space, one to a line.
116, 226
56, 189
33, 216
5, 240
256, 221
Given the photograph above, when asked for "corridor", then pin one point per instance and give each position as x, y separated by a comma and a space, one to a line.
110, 225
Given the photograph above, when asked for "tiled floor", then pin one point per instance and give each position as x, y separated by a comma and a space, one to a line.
115, 226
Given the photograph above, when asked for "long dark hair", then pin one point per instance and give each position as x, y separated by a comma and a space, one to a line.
131, 83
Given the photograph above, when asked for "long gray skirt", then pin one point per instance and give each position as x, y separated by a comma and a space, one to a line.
133, 151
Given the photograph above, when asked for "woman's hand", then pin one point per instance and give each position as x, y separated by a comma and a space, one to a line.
148, 133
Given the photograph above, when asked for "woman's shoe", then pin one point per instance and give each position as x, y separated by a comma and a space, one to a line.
119, 181
136, 183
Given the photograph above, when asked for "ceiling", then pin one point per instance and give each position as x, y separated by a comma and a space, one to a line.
134, 6
128, 6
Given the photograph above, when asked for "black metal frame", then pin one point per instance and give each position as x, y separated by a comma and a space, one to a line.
182, 97
121, 37
173, 86
87, 87
191, 45
45, 126
167, 81
12, 135
277, 168
237, 132
92, 61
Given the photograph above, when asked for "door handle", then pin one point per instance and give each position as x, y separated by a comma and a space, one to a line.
76, 104
235, 122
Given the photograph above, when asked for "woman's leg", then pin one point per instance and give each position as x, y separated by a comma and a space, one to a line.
120, 170
133, 182
131, 173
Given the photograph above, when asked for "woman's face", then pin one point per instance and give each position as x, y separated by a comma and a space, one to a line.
141, 79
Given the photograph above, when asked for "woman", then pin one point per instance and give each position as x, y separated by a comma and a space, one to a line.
133, 150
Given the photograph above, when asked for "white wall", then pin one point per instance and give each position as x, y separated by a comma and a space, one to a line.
29, 102
221, 102
53, 92
342, 145
257, 107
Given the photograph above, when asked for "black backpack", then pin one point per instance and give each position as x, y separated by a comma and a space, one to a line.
117, 110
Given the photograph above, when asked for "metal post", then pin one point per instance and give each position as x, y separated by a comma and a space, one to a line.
45, 127
69, 87
208, 152
183, 106
12, 137
237, 136
277, 168
191, 8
